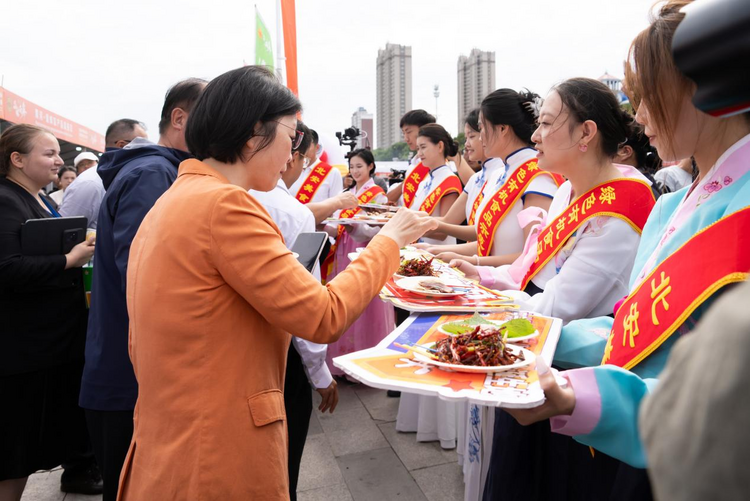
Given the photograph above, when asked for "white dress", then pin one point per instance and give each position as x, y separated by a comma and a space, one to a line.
427, 186
479, 180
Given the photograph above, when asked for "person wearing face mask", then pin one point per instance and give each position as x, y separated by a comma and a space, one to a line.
43, 328
213, 294
577, 259
685, 260
379, 318
495, 237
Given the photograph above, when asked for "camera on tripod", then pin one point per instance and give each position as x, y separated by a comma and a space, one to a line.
349, 138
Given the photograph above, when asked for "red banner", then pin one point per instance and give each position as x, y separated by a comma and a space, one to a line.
451, 184
411, 183
18, 110
313, 182
714, 257
628, 199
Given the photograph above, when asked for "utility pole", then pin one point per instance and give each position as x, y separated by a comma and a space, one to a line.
436, 93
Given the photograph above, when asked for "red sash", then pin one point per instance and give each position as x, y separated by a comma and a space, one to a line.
627, 199
314, 181
714, 257
451, 184
502, 201
476, 204
411, 183
364, 198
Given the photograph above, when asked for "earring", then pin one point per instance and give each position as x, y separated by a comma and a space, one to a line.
583, 147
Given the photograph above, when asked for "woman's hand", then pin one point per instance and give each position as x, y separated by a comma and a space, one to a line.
407, 226
80, 254
558, 401
346, 200
330, 397
468, 269
447, 256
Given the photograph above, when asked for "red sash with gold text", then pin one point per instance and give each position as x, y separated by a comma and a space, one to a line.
502, 201
451, 184
476, 204
628, 199
714, 257
364, 198
411, 183
314, 181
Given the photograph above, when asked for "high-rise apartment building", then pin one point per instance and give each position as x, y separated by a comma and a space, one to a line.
363, 121
476, 79
393, 91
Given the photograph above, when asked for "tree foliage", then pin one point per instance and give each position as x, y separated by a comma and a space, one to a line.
399, 151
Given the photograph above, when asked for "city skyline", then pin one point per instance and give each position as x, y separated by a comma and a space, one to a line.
393, 89
476, 76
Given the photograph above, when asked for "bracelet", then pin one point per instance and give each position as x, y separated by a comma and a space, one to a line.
477, 256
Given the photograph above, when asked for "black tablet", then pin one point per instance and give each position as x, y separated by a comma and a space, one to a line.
52, 236
308, 246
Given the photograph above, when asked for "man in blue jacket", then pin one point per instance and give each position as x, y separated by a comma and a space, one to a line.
134, 177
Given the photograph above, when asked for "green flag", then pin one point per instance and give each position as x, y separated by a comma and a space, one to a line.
263, 48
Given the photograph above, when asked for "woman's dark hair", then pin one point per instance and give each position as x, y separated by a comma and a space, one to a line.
589, 99
437, 134
17, 138
306, 138
64, 169
511, 108
231, 107
366, 156
181, 95
472, 120
646, 155
416, 117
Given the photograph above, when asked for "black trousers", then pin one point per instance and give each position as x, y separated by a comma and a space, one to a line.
298, 406
111, 432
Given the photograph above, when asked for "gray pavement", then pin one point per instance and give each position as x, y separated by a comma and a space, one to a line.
353, 454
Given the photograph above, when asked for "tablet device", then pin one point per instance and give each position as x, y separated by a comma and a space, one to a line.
308, 246
52, 236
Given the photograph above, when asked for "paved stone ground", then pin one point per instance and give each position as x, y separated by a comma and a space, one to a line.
354, 454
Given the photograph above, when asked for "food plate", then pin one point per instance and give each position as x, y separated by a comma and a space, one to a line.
490, 323
389, 208
528, 356
411, 284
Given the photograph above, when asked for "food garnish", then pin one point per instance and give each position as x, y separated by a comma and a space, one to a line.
418, 267
518, 327
482, 347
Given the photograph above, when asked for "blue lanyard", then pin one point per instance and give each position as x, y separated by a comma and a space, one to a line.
50, 208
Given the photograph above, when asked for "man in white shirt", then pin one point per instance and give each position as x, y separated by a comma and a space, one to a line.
306, 361
84, 195
330, 186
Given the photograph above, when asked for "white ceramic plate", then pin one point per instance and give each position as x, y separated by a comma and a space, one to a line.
529, 358
411, 284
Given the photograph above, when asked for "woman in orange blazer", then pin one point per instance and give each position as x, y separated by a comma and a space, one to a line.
213, 295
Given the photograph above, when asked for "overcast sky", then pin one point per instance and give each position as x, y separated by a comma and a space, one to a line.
94, 61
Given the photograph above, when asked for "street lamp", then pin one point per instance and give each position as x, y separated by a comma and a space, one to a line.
436, 93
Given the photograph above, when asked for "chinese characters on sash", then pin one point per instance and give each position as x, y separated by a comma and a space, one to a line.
364, 198
502, 201
711, 259
451, 184
627, 199
411, 183
313, 182
476, 204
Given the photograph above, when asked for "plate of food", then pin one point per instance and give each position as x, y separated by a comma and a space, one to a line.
429, 287
484, 350
516, 330
419, 266
389, 207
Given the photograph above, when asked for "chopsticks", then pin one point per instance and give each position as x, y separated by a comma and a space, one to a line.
422, 350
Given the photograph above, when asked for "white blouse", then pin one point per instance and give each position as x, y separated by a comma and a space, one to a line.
428, 184
476, 184
590, 273
509, 235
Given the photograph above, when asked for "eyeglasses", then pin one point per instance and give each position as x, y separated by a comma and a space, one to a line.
297, 138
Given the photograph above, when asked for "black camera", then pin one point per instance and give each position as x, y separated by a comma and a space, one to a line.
349, 138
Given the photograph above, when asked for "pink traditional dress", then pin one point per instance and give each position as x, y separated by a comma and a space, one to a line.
378, 320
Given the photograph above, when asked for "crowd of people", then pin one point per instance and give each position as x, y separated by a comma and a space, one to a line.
191, 373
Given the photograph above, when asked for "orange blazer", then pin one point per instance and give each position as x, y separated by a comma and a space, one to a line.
213, 295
